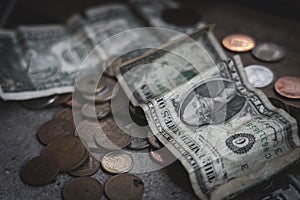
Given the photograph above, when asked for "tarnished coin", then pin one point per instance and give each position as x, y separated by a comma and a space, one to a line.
154, 141
98, 111
268, 52
124, 186
66, 114
117, 162
238, 42
88, 168
68, 151
74, 103
106, 94
40, 170
90, 84
83, 188
279, 104
181, 16
53, 129
138, 143
113, 133
86, 130
259, 76
39, 103
288, 86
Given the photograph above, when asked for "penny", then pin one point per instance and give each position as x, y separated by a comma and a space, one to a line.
68, 151
117, 162
162, 156
86, 130
83, 188
90, 84
154, 141
279, 104
124, 186
288, 86
62, 98
73, 103
98, 111
106, 94
40, 170
39, 103
138, 143
66, 114
115, 137
238, 42
53, 129
88, 168
181, 16
259, 76
268, 52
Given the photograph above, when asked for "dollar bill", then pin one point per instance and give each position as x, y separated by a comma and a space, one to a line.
170, 65
220, 127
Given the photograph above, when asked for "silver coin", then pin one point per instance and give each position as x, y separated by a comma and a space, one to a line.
259, 76
40, 102
90, 84
138, 143
98, 111
268, 52
117, 162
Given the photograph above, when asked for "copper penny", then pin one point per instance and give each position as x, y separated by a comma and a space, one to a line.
114, 135
40, 170
88, 168
66, 114
154, 141
83, 188
53, 129
124, 187
68, 151
117, 162
238, 42
74, 103
288, 86
161, 156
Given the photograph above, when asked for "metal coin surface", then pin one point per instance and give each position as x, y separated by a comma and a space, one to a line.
66, 114
62, 98
83, 188
39, 103
68, 151
238, 42
117, 162
124, 187
114, 136
88, 168
53, 129
98, 111
73, 103
288, 86
40, 170
268, 52
279, 104
138, 143
259, 76
162, 156
86, 130
154, 141
89, 84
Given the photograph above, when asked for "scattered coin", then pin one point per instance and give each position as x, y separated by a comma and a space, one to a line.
259, 76
83, 188
98, 111
181, 16
238, 42
117, 162
53, 129
279, 104
39, 103
88, 168
40, 170
154, 141
268, 52
124, 186
68, 151
86, 130
162, 156
62, 98
138, 143
74, 103
157, 156
90, 84
114, 135
288, 86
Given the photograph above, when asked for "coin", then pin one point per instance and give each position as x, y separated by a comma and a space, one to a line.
288, 86
98, 111
279, 104
268, 52
53, 129
124, 186
181, 16
40, 170
39, 103
86, 130
106, 94
138, 143
83, 188
88, 168
66, 114
68, 151
74, 103
90, 84
117, 162
153, 140
62, 98
162, 155
238, 42
113, 133
259, 76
